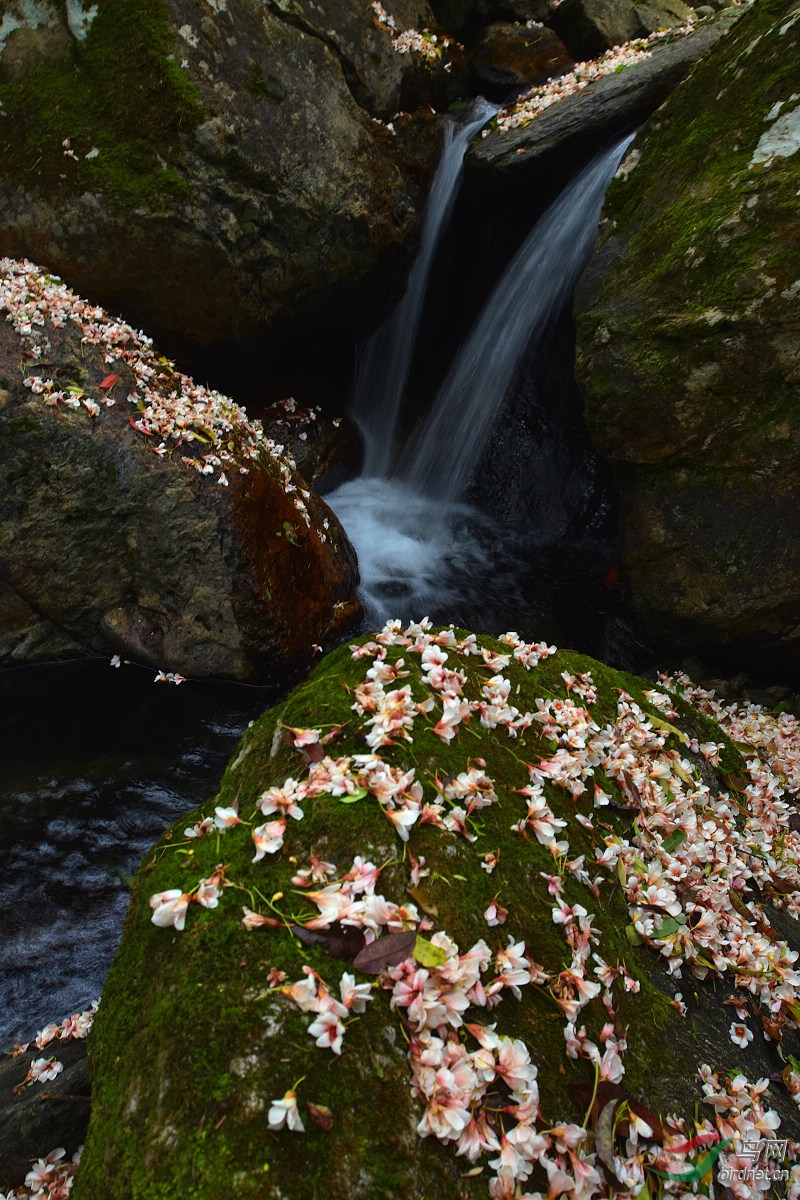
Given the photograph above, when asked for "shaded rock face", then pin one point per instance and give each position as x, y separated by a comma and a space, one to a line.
214, 1042
206, 168
467, 17
509, 58
31, 1127
107, 546
688, 350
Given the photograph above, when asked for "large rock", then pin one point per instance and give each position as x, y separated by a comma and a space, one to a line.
42, 1115
467, 18
688, 353
145, 515
510, 58
569, 131
201, 1049
207, 168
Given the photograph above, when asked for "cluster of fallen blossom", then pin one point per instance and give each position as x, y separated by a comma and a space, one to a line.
406, 41
772, 737
51, 1177
534, 102
170, 408
294, 416
685, 874
44, 1069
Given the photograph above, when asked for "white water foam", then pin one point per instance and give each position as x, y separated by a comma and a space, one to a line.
418, 557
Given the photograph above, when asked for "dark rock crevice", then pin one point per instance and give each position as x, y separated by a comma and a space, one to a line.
362, 95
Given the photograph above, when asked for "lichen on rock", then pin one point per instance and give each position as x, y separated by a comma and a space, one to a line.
521, 851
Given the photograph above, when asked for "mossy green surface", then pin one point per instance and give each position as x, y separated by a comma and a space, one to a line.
121, 93
191, 1044
688, 344
706, 240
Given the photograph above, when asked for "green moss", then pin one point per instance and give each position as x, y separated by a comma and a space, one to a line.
704, 231
191, 1044
23, 425
120, 94
257, 85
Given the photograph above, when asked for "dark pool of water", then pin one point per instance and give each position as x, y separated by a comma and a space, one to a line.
95, 764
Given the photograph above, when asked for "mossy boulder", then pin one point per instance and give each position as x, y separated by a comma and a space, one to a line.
208, 168
201, 1047
144, 514
688, 350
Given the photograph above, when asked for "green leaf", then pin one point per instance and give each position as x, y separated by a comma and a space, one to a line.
351, 797
668, 926
673, 841
428, 955
665, 726
290, 534
632, 934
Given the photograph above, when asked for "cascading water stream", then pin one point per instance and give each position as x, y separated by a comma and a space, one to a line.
420, 549
532, 291
385, 358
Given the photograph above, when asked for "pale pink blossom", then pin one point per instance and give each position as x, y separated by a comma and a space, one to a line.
285, 1111
268, 838
169, 908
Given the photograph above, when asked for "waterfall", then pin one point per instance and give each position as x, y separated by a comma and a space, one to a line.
420, 548
384, 359
532, 291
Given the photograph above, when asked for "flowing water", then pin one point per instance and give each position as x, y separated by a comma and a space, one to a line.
384, 360
535, 287
416, 559
96, 763
420, 548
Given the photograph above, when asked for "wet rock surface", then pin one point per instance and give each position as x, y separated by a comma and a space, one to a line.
44, 1115
508, 58
111, 543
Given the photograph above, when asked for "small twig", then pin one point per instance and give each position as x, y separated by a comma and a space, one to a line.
65, 1097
